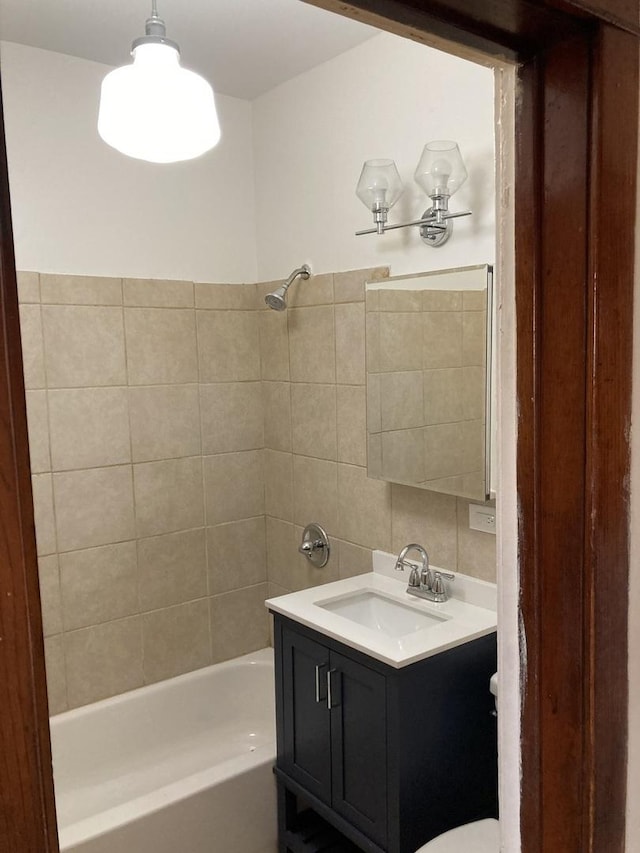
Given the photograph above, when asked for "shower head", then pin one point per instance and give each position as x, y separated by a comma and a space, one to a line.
278, 298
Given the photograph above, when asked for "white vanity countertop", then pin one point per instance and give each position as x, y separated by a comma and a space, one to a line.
458, 621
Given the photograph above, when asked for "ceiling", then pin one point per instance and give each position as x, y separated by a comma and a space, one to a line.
243, 47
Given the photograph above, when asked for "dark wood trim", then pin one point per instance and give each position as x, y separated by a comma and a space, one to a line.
552, 340
27, 811
614, 161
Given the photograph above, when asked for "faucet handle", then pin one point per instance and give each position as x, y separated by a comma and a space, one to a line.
437, 586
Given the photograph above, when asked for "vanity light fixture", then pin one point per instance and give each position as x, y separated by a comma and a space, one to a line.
440, 173
153, 109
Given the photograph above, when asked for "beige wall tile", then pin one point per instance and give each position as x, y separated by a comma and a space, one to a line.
400, 341
398, 299
89, 428
445, 451
371, 300
312, 344
372, 341
474, 337
234, 486
50, 601
227, 297
315, 491
237, 555
38, 426
161, 346
277, 415
32, 349
273, 591
228, 346
176, 640
103, 660
316, 290
56, 676
278, 482
165, 422
282, 549
442, 300
84, 346
28, 287
444, 395
169, 496
363, 508
403, 456
172, 568
474, 392
476, 550
349, 286
313, 419
274, 345
353, 560
428, 519
401, 399
43, 516
93, 507
80, 290
350, 345
352, 424
442, 339
452, 449
232, 416
374, 456
374, 403
98, 585
239, 623
474, 300
158, 294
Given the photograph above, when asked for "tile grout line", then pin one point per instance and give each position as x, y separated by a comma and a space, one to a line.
205, 508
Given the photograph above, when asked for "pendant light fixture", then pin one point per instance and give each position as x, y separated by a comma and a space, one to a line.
154, 109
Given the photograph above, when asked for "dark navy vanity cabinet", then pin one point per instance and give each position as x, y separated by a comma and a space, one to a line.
375, 758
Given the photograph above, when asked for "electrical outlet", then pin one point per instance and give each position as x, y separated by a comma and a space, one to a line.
482, 518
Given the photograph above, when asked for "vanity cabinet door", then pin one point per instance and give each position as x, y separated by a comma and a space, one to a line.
306, 754
359, 746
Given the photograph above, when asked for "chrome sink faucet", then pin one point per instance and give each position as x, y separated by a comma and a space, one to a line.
416, 578
423, 583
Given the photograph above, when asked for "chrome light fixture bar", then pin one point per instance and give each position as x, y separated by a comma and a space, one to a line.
440, 173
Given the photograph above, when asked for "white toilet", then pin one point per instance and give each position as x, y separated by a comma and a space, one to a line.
481, 836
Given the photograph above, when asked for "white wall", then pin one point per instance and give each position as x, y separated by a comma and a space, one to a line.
79, 207
385, 98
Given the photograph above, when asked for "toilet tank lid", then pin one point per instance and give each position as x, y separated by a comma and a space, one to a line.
493, 684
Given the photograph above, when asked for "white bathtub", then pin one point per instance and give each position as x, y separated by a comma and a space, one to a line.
183, 766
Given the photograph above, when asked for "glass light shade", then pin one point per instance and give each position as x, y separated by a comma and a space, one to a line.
380, 186
441, 169
156, 110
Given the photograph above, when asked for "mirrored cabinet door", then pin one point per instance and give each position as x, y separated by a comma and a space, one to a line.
429, 391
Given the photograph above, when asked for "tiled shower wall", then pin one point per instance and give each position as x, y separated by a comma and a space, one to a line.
313, 367
146, 433
181, 436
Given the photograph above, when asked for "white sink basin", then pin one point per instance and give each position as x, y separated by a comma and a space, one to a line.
381, 612
376, 615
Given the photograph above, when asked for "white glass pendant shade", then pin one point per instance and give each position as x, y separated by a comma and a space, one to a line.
441, 170
156, 110
380, 186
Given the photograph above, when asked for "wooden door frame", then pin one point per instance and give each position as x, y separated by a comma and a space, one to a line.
575, 205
